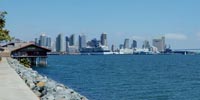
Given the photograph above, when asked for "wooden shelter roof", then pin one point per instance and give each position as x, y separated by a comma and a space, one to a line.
28, 45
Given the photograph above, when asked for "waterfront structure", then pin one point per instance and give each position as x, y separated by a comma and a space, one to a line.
36, 54
159, 43
146, 45
60, 43
72, 40
104, 39
134, 44
82, 41
126, 43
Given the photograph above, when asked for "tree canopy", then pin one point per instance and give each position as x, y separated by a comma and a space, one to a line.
4, 33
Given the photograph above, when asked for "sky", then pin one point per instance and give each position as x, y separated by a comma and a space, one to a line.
177, 20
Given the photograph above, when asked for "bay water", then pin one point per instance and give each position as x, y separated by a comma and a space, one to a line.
127, 77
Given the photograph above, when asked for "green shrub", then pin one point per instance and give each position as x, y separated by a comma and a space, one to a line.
26, 62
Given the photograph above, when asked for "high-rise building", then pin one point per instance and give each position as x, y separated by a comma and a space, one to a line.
159, 44
72, 40
67, 43
134, 44
104, 39
82, 41
48, 42
53, 46
126, 43
42, 41
60, 43
146, 45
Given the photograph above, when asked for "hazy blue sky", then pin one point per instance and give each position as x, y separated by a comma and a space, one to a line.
178, 20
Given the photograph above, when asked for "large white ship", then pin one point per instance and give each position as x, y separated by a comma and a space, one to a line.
102, 50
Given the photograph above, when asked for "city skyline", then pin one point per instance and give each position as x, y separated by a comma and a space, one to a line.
82, 41
137, 20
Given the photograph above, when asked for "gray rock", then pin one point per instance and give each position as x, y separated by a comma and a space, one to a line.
43, 87
37, 93
30, 84
48, 97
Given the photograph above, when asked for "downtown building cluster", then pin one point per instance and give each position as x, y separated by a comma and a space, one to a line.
69, 45
158, 46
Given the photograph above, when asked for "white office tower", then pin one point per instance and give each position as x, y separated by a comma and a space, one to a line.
82, 41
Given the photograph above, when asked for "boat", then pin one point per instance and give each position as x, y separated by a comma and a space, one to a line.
102, 50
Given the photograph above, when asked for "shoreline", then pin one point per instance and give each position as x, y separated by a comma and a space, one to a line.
43, 87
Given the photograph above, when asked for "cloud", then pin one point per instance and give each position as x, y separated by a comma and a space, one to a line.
176, 36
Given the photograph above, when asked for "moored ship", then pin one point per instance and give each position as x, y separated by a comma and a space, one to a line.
101, 50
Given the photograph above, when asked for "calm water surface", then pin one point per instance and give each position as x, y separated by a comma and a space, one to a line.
128, 77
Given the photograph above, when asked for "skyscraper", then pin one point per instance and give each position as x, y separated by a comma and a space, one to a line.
67, 43
134, 44
159, 44
82, 41
42, 41
104, 39
72, 40
146, 45
60, 43
48, 42
126, 43
53, 46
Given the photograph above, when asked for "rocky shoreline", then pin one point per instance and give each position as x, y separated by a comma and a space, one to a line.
43, 87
